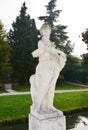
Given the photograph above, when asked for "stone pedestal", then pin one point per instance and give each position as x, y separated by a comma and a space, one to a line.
52, 121
8, 86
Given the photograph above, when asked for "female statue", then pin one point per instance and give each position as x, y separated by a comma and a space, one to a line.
51, 62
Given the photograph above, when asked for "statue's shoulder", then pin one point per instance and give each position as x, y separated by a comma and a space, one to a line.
41, 44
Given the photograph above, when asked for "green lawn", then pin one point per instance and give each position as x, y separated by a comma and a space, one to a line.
17, 107
72, 100
14, 107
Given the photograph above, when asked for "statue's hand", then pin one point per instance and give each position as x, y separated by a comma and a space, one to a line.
35, 53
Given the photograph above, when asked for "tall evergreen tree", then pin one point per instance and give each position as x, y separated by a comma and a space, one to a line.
52, 14
58, 33
23, 40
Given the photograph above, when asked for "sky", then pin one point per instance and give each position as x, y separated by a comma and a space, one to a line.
73, 15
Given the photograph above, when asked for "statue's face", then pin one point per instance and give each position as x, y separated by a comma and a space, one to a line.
45, 30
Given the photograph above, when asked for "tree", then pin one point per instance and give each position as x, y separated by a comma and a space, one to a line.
58, 33
85, 56
74, 71
71, 69
52, 13
85, 61
85, 37
4, 52
23, 40
68, 48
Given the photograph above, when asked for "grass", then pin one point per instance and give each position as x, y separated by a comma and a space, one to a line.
71, 101
14, 107
17, 107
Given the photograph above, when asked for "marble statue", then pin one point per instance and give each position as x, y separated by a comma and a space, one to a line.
51, 62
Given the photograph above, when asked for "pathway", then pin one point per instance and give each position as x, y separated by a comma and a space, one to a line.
12, 92
75, 90
77, 84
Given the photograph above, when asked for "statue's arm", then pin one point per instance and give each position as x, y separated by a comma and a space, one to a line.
37, 52
48, 48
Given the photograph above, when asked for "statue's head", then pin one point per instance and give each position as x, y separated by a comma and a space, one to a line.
45, 30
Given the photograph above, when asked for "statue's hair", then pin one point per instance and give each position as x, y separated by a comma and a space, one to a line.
44, 27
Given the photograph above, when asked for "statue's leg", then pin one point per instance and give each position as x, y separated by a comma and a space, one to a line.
42, 98
52, 90
51, 97
51, 94
33, 90
53, 81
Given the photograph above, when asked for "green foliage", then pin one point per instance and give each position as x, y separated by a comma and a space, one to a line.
60, 79
4, 53
2, 90
52, 14
68, 48
85, 61
71, 67
82, 76
58, 33
85, 68
74, 70
23, 40
22, 88
85, 37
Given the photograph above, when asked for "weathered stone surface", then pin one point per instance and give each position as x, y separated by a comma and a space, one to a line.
81, 128
51, 62
8, 86
55, 122
44, 116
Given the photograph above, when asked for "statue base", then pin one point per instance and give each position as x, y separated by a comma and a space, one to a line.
47, 121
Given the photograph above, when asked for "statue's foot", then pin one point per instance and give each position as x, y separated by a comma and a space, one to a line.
45, 111
53, 109
36, 109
